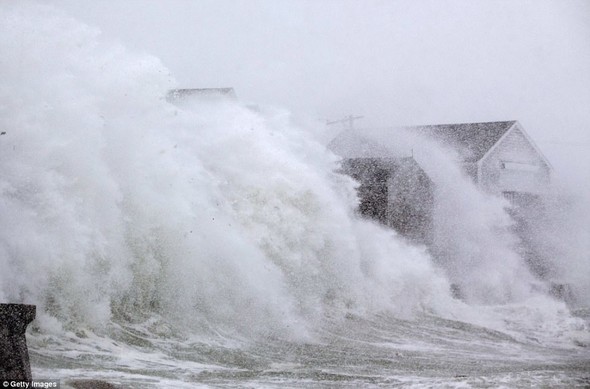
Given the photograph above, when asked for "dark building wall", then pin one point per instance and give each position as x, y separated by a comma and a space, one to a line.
372, 175
411, 202
396, 193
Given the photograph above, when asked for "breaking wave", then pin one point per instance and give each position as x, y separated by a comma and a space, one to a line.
118, 206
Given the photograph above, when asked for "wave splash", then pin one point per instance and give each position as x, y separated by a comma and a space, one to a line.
116, 201
118, 206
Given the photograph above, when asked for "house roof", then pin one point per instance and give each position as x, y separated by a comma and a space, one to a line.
471, 140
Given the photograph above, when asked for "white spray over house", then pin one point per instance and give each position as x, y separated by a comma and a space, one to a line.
499, 157
398, 175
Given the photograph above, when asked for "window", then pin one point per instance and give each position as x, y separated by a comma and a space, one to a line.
519, 166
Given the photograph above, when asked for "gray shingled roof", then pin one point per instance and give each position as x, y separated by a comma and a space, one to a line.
471, 140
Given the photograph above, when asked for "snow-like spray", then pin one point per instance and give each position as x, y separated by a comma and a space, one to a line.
120, 207
116, 202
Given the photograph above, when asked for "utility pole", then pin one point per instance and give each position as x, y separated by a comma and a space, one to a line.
346, 120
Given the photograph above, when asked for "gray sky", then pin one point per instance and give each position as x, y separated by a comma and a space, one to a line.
395, 62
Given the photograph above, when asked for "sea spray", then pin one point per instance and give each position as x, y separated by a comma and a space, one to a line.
472, 237
559, 232
211, 216
171, 245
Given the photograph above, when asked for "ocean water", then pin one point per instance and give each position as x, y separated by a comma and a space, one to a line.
212, 244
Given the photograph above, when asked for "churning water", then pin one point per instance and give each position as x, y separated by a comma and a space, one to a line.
212, 244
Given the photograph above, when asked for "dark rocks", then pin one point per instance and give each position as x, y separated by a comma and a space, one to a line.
14, 355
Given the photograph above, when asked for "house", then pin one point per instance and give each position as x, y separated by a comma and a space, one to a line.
393, 190
499, 157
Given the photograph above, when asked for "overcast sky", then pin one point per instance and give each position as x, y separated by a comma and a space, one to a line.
395, 62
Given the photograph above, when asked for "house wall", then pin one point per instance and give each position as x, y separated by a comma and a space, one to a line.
372, 176
396, 193
410, 203
514, 166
